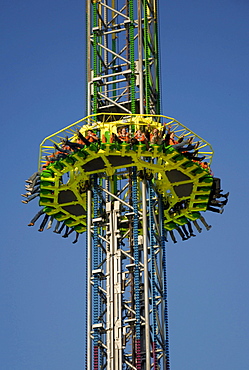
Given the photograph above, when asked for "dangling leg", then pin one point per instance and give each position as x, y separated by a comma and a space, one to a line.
57, 227
172, 236
30, 198
199, 229
216, 210
181, 233
50, 222
190, 229
61, 228
76, 237
66, 232
202, 219
43, 224
35, 218
185, 231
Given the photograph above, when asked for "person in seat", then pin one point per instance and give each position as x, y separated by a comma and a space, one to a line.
156, 136
123, 136
91, 137
81, 141
140, 137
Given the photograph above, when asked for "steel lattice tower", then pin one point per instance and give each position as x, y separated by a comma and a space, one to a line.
127, 289
122, 56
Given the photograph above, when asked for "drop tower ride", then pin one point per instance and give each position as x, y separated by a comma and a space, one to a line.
124, 195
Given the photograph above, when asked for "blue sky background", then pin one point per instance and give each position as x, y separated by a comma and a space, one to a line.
205, 79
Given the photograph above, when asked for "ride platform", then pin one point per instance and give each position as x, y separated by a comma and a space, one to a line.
177, 179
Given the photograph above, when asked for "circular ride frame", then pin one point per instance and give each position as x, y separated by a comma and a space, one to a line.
173, 175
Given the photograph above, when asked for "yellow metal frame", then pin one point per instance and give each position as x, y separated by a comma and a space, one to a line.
157, 162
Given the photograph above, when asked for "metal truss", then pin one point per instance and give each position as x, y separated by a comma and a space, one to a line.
127, 294
127, 320
122, 56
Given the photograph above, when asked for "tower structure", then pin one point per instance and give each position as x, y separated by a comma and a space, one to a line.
125, 195
127, 280
122, 57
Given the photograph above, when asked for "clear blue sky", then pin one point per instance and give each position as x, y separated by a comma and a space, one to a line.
204, 65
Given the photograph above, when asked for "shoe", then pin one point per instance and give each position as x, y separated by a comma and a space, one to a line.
199, 230
56, 231
221, 211
208, 227
222, 204
31, 224
26, 195
24, 201
75, 241
184, 238
192, 235
29, 181
28, 190
65, 236
226, 195
174, 241
41, 229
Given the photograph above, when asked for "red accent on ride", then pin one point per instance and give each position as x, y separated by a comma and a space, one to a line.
154, 356
138, 350
95, 358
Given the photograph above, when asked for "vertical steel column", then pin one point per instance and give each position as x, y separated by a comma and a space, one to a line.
95, 279
137, 269
110, 289
117, 289
140, 58
132, 56
146, 277
165, 295
157, 61
88, 56
114, 49
146, 61
95, 57
89, 285
153, 273
114, 290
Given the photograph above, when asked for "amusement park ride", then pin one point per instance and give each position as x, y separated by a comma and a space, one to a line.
126, 193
